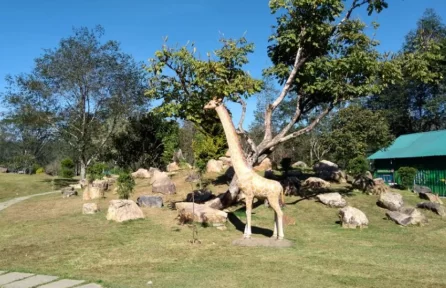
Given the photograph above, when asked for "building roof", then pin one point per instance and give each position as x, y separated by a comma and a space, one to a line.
423, 144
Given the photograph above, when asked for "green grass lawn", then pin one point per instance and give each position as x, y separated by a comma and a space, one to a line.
17, 185
50, 235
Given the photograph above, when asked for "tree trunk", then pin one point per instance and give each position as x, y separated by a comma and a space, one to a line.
83, 170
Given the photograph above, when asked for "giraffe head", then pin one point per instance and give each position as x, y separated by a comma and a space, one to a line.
214, 103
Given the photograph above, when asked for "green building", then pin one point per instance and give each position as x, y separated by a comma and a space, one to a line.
424, 151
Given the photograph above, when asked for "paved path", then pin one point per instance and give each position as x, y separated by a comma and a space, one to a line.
6, 204
28, 280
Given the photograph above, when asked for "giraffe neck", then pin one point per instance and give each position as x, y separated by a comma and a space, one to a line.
237, 157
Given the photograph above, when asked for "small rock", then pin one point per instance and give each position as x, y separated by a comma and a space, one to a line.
68, 192
421, 189
222, 228
90, 208
315, 183
124, 210
150, 282
149, 201
391, 201
172, 167
430, 196
264, 165
332, 199
214, 166
352, 217
141, 173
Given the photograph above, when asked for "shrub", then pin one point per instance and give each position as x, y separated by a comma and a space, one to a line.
40, 170
126, 184
53, 168
67, 166
407, 176
96, 171
358, 166
206, 148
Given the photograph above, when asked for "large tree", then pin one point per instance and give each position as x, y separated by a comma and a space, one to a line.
321, 56
88, 84
413, 104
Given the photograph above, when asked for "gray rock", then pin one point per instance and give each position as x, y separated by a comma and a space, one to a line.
68, 192
329, 171
434, 207
407, 216
352, 218
332, 199
421, 189
149, 201
431, 197
391, 201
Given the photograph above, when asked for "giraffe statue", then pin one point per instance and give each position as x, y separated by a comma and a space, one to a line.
252, 184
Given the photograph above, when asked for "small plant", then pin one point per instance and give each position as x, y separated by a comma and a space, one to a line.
407, 176
40, 170
126, 184
358, 166
96, 171
67, 168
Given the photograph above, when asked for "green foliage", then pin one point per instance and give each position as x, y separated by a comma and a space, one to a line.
206, 148
146, 141
40, 170
356, 132
96, 171
415, 103
126, 184
358, 165
407, 176
67, 168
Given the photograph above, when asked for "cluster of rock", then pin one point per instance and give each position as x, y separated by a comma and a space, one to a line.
201, 213
397, 212
434, 202
329, 171
367, 184
160, 181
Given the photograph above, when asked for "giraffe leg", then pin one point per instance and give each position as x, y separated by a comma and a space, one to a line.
275, 225
279, 217
248, 217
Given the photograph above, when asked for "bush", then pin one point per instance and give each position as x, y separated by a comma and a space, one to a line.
53, 168
407, 176
358, 166
206, 148
67, 166
40, 170
126, 184
96, 171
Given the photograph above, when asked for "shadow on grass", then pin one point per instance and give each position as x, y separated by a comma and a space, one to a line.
240, 226
61, 182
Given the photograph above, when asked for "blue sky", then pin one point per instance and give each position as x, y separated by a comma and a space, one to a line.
29, 26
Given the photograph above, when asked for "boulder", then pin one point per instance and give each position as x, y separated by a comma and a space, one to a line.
431, 197
352, 217
226, 162
200, 196
329, 171
90, 208
332, 199
83, 183
141, 173
214, 166
315, 183
391, 201
379, 187
95, 192
264, 165
199, 213
149, 201
152, 171
299, 164
434, 207
172, 167
162, 183
102, 184
407, 216
68, 192
123, 210
421, 189
3, 170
